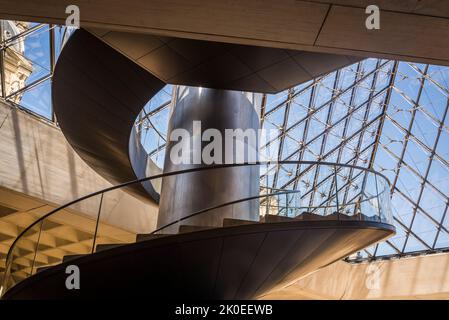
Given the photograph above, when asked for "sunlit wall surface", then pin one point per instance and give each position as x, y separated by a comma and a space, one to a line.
386, 115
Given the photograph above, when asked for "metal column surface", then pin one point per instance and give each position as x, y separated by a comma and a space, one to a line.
187, 193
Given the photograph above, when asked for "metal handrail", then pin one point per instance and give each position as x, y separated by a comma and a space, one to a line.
167, 174
222, 206
346, 204
196, 213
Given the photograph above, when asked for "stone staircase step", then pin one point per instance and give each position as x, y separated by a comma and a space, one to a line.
341, 216
268, 218
106, 246
230, 222
146, 236
309, 216
71, 257
40, 269
187, 228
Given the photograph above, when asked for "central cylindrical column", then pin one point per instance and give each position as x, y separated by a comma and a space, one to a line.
209, 127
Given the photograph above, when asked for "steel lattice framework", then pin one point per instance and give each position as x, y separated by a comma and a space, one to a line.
387, 115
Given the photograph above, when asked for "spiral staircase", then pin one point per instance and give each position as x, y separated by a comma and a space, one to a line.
99, 89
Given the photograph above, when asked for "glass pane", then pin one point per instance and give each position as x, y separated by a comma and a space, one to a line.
28, 56
38, 99
109, 234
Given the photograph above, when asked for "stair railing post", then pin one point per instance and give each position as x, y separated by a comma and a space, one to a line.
96, 224
266, 202
278, 203
336, 192
266, 188
37, 247
377, 197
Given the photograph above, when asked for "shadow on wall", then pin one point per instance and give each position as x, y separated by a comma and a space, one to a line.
19, 150
37, 161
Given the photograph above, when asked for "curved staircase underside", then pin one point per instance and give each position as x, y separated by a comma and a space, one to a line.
100, 86
241, 261
98, 93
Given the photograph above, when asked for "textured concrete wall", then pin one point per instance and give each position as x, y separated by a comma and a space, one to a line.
36, 160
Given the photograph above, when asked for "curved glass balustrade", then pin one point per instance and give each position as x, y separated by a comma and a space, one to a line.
63, 233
